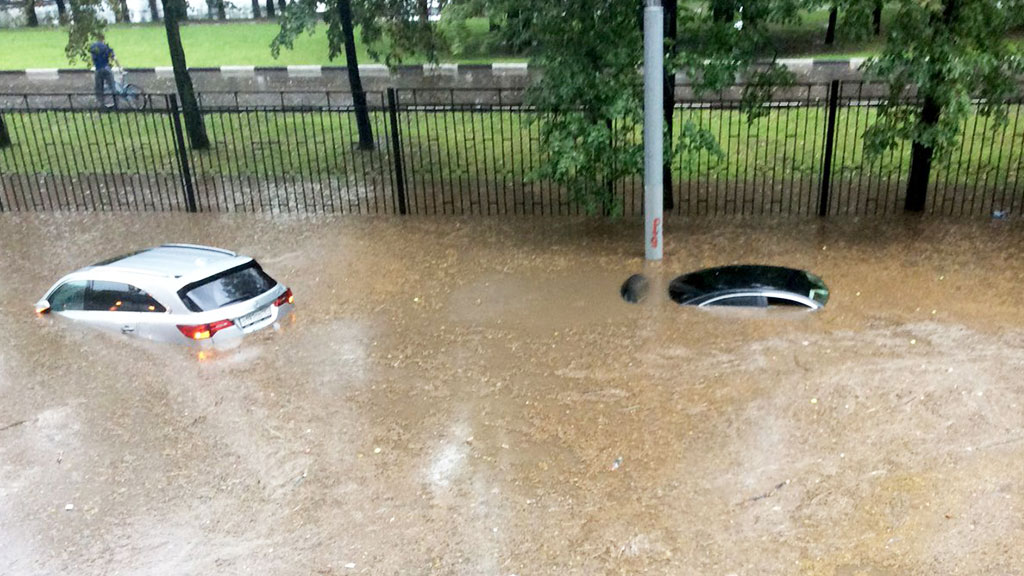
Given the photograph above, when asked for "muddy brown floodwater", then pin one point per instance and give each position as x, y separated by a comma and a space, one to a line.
473, 397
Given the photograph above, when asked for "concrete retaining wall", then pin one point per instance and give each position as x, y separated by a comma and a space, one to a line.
334, 78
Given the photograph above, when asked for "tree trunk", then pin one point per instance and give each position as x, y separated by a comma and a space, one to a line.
126, 15
62, 12
921, 160
517, 18
5, 136
256, 9
281, 5
355, 82
876, 18
671, 35
920, 153
189, 106
270, 8
222, 12
830, 32
154, 11
31, 20
120, 10
423, 7
723, 10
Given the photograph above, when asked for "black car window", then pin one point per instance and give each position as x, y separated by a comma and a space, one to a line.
105, 296
69, 296
119, 297
751, 301
236, 285
139, 301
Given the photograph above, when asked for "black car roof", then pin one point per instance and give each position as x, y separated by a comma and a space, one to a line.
742, 277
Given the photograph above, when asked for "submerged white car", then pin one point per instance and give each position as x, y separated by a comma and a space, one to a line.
172, 293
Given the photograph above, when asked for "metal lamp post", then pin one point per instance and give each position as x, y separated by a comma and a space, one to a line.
654, 64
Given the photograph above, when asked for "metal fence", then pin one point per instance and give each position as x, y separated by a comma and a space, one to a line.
465, 152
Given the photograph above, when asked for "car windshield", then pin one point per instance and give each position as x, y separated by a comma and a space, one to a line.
236, 285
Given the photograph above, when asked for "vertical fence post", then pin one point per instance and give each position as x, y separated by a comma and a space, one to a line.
396, 150
5, 136
5, 141
830, 140
609, 182
182, 152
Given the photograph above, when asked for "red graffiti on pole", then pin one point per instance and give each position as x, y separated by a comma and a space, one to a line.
654, 233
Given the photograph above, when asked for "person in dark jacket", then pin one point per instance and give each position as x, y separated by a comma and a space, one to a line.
102, 57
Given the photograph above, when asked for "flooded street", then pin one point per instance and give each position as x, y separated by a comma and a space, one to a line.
473, 397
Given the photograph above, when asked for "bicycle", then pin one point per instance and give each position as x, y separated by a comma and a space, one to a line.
132, 96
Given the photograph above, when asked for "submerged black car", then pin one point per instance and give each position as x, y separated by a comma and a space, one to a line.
749, 285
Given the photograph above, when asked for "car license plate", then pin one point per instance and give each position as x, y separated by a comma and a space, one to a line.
254, 317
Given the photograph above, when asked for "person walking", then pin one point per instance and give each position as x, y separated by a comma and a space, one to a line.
102, 57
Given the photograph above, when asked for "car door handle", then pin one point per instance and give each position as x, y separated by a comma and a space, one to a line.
127, 329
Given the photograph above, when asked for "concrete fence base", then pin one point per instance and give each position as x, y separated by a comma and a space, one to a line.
376, 77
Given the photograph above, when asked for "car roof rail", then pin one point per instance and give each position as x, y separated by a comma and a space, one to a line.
200, 247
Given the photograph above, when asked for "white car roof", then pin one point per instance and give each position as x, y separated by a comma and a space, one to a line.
175, 265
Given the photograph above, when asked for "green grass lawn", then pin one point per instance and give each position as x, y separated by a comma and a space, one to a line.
247, 43
450, 144
207, 44
453, 158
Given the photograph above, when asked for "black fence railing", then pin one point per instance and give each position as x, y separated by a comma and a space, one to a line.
462, 152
